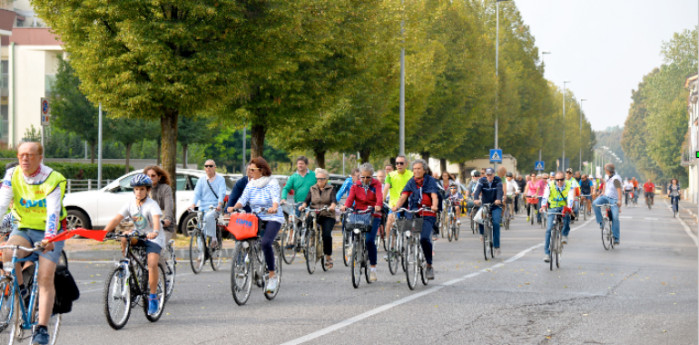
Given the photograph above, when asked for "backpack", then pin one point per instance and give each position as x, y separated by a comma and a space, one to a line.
66, 290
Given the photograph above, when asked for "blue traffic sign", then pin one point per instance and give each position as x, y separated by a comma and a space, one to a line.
495, 156
539, 166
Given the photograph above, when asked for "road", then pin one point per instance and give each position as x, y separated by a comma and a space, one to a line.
642, 292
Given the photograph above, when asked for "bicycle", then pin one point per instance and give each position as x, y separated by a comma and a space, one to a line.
472, 213
127, 284
507, 212
347, 241
649, 201
532, 204
487, 231
359, 226
249, 265
453, 227
200, 249
313, 250
6, 230
414, 257
585, 202
607, 236
20, 315
675, 201
555, 241
289, 234
170, 269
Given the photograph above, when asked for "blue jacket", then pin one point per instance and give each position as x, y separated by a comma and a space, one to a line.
236, 192
345, 189
489, 191
429, 186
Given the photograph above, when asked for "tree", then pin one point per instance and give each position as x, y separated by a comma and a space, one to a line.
71, 110
193, 131
130, 131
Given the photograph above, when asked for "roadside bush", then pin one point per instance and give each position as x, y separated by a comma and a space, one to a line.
72, 170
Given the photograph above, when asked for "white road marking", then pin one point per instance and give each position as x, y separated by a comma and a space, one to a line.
650, 218
388, 306
686, 229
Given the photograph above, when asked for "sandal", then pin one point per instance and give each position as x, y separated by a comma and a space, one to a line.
328, 263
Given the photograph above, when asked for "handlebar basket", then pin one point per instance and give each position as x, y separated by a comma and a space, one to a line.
414, 225
359, 221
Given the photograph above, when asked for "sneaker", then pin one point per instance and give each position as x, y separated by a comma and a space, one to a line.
547, 259
616, 242
152, 304
272, 285
214, 243
289, 246
372, 275
497, 251
429, 273
564, 240
458, 222
40, 336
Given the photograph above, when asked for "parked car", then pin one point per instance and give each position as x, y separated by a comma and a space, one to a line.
94, 209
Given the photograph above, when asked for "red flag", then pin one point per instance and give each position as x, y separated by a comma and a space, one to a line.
97, 235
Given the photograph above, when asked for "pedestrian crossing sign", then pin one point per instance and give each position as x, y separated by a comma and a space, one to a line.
495, 156
539, 166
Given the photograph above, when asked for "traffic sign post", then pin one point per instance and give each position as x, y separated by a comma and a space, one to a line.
495, 156
45, 112
539, 166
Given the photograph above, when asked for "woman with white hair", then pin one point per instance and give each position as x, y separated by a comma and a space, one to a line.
321, 195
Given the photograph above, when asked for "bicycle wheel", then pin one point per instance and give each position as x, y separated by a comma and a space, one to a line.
215, 253
552, 248
288, 236
241, 273
412, 264
450, 227
605, 234
117, 298
15, 331
278, 271
610, 234
382, 231
485, 241
365, 259
310, 251
160, 292
403, 252
473, 225
170, 272
347, 246
422, 264
196, 251
356, 265
457, 231
559, 247
321, 249
6, 300
392, 252
490, 241
507, 222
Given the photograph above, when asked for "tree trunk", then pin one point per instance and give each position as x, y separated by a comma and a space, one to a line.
168, 130
320, 158
160, 144
442, 165
128, 157
93, 148
184, 156
426, 156
364, 154
257, 140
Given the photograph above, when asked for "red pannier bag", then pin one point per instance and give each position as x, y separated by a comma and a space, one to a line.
242, 226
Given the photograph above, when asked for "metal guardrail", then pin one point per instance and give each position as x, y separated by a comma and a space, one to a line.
84, 185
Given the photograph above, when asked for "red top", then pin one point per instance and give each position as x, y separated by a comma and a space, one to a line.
426, 199
648, 187
634, 183
362, 199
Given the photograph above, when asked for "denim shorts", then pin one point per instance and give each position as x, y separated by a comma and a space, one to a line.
34, 236
151, 247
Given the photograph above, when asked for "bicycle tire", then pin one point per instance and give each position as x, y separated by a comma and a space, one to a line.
347, 245
473, 225
450, 228
356, 269
288, 254
321, 250
241, 273
443, 226
309, 251
197, 248
365, 259
422, 265
559, 249
382, 231
160, 291
485, 241
5, 302
276, 249
392, 252
605, 235
610, 233
114, 290
457, 231
403, 252
215, 253
412, 265
15, 322
552, 246
170, 272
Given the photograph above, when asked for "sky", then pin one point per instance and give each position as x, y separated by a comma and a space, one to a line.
604, 47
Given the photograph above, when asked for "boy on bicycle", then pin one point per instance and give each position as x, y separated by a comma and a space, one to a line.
456, 198
145, 214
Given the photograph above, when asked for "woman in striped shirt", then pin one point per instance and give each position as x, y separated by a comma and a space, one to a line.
262, 191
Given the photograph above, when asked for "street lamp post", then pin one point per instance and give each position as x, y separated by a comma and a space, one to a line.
542, 57
497, 60
563, 158
581, 115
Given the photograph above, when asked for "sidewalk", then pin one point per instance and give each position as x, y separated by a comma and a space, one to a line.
688, 213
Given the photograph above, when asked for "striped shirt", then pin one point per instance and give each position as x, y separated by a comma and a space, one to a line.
263, 197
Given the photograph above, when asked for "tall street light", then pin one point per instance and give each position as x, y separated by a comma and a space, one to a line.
497, 81
542, 58
581, 115
563, 159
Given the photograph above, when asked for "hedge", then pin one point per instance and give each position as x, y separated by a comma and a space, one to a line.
71, 170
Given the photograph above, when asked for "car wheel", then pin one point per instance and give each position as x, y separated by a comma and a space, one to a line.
188, 224
77, 219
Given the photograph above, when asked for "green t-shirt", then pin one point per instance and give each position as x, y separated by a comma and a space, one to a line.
300, 185
397, 182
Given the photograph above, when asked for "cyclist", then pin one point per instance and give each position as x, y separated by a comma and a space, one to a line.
300, 182
422, 191
530, 192
611, 194
628, 189
649, 191
586, 188
347, 185
560, 196
395, 183
521, 183
145, 214
161, 192
634, 182
673, 191
364, 195
39, 221
540, 189
321, 195
490, 191
262, 191
470, 189
237, 191
576, 189
455, 198
210, 191
512, 191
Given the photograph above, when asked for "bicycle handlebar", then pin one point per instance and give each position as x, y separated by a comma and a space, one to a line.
116, 236
403, 209
368, 210
36, 248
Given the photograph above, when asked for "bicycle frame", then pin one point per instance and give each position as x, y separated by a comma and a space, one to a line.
26, 312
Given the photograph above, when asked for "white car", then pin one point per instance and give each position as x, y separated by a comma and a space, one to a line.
94, 209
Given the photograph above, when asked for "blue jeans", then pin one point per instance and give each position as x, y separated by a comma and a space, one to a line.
370, 238
209, 226
549, 226
426, 237
615, 213
496, 213
675, 201
270, 233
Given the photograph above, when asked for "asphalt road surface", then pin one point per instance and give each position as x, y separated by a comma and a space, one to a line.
642, 292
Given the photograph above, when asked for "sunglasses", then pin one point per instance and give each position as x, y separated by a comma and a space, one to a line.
560, 179
400, 163
365, 177
321, 178
254, 169
209, 166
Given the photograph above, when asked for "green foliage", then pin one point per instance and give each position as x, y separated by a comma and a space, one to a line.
72, 170
32, 134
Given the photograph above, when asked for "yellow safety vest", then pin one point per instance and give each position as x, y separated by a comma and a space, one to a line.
556, 198
29, 201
